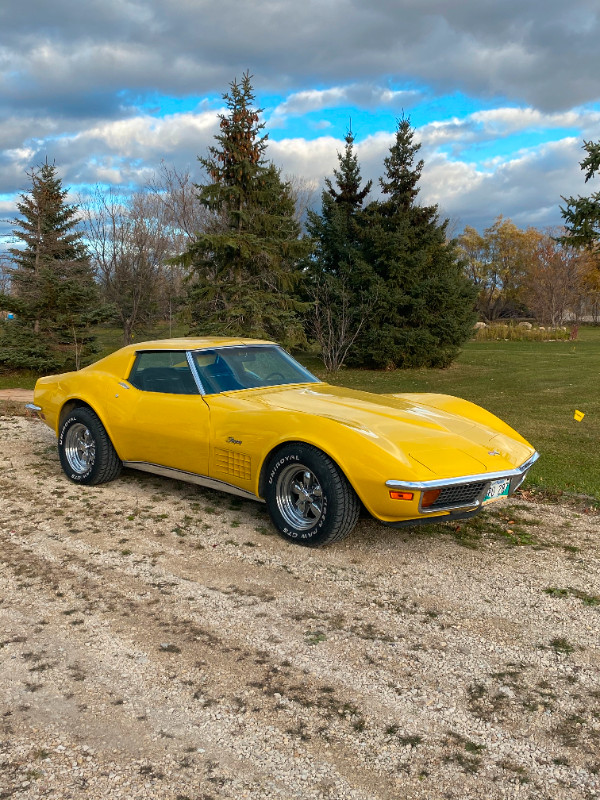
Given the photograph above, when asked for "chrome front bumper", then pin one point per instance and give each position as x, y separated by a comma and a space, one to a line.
35, 410
516, 477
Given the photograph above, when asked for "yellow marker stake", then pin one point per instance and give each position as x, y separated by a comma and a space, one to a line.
578, 415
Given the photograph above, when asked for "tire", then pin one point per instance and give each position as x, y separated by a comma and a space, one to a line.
309, 498
86, 453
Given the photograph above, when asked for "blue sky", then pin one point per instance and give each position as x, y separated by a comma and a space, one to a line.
502, 95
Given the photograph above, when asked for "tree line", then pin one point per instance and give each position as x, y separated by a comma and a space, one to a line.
531, 273
375, 283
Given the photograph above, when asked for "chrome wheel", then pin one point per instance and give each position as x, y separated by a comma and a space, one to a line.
80, 448
299, 497
309, 498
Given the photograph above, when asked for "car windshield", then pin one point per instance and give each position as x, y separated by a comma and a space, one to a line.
227, 369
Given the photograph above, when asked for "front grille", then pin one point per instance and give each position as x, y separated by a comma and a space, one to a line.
465, 494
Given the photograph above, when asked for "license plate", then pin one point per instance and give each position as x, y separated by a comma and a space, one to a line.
497, 490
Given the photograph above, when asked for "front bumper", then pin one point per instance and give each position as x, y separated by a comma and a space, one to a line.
477, 484
35, 410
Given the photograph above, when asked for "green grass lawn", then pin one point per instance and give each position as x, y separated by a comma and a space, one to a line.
22, 379
534, 386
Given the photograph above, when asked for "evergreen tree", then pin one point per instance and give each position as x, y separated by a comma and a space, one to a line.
424, 308
244, 268
582, 214
53, 293
401, 171
349, 196
336, 269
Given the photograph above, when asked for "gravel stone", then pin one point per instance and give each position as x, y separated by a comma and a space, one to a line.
161, 641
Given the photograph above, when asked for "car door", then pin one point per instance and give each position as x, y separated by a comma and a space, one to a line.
159, 416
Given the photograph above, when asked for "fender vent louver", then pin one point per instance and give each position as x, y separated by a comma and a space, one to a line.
233, 463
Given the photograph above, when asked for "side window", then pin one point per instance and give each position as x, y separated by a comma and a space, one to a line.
163, 371
215, 372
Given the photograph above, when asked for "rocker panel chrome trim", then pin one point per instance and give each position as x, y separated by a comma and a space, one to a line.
192, 477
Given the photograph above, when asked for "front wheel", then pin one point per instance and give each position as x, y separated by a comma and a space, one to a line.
309, 498
86, 453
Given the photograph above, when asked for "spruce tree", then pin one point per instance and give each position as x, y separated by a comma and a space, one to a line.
582, 214
243, 270
53, 292
424, 308
349, 195
336, 270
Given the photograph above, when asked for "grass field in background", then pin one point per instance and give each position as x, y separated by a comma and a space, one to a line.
533, 386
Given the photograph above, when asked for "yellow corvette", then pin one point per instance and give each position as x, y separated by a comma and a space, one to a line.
242, 416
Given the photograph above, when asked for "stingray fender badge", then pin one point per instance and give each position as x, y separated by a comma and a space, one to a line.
231, 440
493, 453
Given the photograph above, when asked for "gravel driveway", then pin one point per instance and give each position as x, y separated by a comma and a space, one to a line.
160, 641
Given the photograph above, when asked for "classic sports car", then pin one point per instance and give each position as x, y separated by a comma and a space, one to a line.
242, 416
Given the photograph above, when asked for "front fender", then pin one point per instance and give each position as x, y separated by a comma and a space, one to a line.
367, 461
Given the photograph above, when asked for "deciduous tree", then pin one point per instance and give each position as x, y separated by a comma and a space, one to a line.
130, 242
498, 262
554, 283
588, 303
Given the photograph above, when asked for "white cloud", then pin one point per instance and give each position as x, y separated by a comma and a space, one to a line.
312, 100
7, 207
360, 95
120, 152
492, 125
147, 136
527, 188
311, 159
509, 120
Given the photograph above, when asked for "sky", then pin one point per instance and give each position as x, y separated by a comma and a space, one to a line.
501, 93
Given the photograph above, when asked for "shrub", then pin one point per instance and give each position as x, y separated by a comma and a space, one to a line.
515, 333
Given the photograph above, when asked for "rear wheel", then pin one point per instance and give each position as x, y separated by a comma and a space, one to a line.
86, 453
309, 498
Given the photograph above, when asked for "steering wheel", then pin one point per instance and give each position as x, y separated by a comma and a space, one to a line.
273, 375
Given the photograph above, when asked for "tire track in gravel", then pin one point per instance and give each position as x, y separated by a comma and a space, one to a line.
85, 595
199, 684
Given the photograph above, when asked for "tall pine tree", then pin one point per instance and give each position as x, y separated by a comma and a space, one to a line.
244, 269
336, 270
424, 309
53, 293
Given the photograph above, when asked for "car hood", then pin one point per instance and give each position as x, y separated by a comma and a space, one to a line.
446, 444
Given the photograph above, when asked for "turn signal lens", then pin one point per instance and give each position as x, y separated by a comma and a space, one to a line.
428, 498
402, 495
